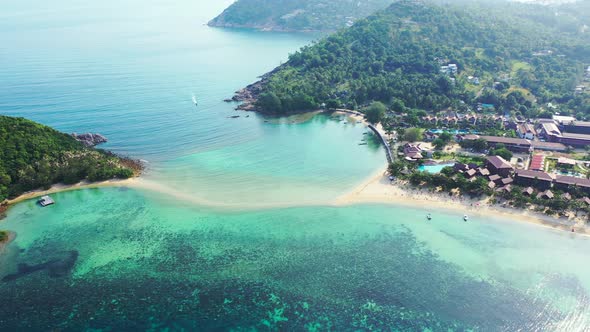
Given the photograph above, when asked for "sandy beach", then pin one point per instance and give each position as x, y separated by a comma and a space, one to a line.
56, 188
378, 189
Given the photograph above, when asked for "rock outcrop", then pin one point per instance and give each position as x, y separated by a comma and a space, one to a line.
249, 95
89, 139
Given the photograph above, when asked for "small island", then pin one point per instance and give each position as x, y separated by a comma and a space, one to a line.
34, 156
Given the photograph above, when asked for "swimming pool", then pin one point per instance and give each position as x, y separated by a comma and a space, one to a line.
433, 169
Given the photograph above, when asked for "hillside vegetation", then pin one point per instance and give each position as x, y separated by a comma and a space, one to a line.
297, 15
35, 156
523, 56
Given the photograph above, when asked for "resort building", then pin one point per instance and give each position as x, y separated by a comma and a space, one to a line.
566, 182
577, 140
498, 165
548, 146
576, 133
512, 144
413, 152
539, 180
537, 163
577, 127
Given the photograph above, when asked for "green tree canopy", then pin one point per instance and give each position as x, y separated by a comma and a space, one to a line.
375, 112
413, 134
34, 156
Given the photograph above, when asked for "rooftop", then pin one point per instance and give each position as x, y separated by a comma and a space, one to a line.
570, 180
523, 173
499, 162
580, 123
576, 136
507, 140
548, 194
550, 128
548, 146
566, 161
537, 162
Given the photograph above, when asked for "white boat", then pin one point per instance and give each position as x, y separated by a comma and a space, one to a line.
429, 217
195, 100
465, 218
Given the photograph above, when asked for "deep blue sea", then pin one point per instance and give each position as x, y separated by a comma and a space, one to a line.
232, 226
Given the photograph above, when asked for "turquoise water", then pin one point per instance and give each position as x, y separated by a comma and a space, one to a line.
148, 265
433, 168
232, 227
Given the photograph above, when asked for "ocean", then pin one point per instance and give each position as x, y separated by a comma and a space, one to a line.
235, 229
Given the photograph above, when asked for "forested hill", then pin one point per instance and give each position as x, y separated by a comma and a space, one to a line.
297, 15
522, 56
34, 156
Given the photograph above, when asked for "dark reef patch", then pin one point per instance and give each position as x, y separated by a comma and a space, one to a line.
55, 267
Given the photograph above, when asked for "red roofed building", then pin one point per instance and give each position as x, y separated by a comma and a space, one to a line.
537, 163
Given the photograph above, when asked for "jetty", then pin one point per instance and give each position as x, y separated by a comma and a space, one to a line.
388, 153
384, 141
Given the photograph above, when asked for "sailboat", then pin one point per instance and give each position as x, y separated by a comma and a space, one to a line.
195, 100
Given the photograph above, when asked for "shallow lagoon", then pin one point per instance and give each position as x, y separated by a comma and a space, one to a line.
145, 264
120, 258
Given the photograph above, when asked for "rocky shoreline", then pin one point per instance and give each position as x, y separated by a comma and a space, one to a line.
248, 96
90, 139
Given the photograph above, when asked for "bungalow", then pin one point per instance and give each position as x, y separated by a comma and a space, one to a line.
497, 165
460, 167
413, 152
495, 178
471, 173
506, 188
566, 183
429, 136
547, 194
507, 181
483, 171
430, 119
527, 178
449, 121
528, 191
567, 196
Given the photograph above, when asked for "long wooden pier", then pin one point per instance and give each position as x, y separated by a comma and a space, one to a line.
384, 141
388, 153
